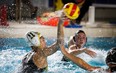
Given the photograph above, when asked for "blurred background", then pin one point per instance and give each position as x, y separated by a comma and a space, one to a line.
21, 15
23, 9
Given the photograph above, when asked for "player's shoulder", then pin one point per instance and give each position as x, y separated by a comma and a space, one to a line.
72, 47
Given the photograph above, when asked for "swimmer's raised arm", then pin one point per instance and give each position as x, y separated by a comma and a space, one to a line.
51, 49
60, 33
54, 47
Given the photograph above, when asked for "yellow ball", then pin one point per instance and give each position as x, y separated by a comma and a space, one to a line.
71, 10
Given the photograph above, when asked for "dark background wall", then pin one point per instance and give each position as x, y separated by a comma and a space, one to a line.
50, 3
105, 1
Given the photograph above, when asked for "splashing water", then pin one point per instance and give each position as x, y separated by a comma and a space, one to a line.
10, 59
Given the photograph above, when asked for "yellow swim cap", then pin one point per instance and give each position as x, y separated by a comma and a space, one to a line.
71, 10
33, 38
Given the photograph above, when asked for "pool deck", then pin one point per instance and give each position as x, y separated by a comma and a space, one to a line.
18, 30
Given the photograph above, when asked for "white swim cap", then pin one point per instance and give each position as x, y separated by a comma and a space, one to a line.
33, 38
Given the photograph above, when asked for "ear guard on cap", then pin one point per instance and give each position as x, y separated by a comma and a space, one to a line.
33, 38
71, 10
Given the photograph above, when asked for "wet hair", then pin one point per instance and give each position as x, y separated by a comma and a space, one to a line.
111, 58
80, 31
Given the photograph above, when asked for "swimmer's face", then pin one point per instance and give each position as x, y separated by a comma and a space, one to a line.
80, 39
42, 42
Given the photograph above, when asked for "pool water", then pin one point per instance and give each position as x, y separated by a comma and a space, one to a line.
12, 51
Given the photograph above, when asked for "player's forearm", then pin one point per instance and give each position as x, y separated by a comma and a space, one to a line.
78, 51
51, 49
80, 62
60, 32
60, 38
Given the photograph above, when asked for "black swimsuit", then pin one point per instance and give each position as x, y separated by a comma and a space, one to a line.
29, 66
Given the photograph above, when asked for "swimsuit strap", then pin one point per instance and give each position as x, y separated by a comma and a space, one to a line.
28, 57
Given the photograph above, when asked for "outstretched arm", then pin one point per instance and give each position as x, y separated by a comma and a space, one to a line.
78, 61
60, 33
54, 47
83, 50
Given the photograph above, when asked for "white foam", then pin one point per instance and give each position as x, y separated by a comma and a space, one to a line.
12, 58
